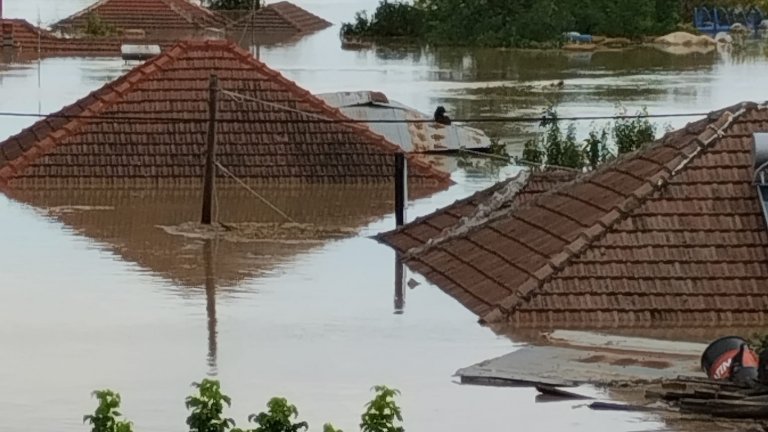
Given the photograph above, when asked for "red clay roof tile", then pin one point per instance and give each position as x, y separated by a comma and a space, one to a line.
677, 239
155, 17
523, 188
168, 122
29, 39
281, 18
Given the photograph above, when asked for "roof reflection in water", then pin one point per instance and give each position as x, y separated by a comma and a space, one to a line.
127, 222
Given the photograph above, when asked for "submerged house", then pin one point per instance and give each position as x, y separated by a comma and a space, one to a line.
277, 22
149, 128
673, 235
155, 18
180, 19
23, 38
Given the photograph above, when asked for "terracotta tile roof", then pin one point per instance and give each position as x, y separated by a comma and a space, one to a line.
27, 39
261, 143
672, 235
514, 191
153, 16
282, 18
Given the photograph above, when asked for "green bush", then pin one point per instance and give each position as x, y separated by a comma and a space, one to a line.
382, 413
207, 408
279, 417
394, 19
552, 147
106, 418
95, 26
520, 23
631, 134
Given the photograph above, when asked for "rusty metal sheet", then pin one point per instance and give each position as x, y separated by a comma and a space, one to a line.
411, 137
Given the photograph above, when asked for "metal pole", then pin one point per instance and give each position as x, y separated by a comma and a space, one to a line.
399, 189
210, 303
399, 284
210, 157
253, 29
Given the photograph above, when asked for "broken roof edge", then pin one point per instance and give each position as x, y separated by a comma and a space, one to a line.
706, 131
384, 236
483, 211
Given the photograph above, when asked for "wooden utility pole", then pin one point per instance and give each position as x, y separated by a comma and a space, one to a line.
399, 284
400, 188
210, 156
210, 302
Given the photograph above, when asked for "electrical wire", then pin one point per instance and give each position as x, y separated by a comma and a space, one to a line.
254, 193
322, 120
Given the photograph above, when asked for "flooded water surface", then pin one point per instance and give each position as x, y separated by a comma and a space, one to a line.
97, 295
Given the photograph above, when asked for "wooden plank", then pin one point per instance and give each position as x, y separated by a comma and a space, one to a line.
726, 408
716, 394
558, 393
610, 406
707, 381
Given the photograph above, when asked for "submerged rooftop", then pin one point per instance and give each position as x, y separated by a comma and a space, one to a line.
284, 18
30, 40
672, 235
152, 16
150, 125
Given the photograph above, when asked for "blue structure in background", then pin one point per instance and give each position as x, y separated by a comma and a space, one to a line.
718, 19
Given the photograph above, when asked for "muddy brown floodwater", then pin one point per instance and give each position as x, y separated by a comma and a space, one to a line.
96, 295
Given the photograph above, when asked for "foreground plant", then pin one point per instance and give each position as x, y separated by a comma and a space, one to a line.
279, 417
329, 428
207, 408
382, 412
106, 418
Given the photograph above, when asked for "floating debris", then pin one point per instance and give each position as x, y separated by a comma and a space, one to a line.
60, 210
260, 232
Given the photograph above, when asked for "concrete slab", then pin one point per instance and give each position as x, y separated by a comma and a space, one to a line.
588, 358
606, 341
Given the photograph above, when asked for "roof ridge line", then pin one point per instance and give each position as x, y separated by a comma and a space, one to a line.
209, 14
480, 215
283, 16
102, 95
556, 263
380, 236
81, 12
179, 12
501, 212
309, 98
298, 8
